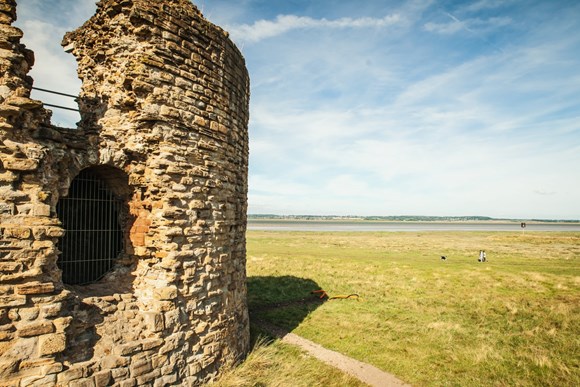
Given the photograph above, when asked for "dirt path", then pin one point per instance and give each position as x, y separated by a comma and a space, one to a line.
363, 371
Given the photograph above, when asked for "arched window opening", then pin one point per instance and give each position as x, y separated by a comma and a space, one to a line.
93, 237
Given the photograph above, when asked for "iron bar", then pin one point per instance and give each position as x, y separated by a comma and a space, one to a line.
55, 92
61, 107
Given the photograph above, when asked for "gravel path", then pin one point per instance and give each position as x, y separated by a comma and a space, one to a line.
363, 371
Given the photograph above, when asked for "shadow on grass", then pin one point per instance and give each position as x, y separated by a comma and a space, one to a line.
282, 301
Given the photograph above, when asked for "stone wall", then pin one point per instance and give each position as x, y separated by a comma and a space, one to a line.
164, 114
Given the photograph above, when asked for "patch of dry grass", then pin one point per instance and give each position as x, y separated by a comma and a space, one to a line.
273, 363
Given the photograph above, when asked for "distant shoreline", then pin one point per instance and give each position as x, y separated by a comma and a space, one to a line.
406, 219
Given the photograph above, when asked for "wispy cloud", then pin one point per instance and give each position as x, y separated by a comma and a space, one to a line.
474, 26
264, 29
486, 5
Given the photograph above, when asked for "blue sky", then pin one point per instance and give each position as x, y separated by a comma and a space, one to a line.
372, 107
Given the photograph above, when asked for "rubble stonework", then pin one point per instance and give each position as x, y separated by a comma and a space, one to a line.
164, 114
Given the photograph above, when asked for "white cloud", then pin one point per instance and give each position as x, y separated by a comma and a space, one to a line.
475, 25
263, 29
444, 28
486, 5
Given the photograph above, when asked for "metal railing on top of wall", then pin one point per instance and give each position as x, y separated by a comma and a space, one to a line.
58, 93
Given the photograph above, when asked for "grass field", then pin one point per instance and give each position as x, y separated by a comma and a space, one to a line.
514, 320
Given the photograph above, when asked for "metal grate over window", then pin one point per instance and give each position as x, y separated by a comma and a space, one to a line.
93, 236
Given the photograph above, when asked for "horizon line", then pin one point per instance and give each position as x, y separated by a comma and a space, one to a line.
414, 216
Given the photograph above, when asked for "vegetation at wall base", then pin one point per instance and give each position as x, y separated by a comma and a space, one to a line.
273, 363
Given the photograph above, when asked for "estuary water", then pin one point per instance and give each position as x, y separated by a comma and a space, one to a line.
350, 226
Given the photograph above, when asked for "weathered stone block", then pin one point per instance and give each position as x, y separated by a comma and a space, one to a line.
140, 367
9, 266
201, 327
40, 233
146, 379
86, 382
102, 378
171, 344
10, 195
7, 110
198, 120
6, 208
26, 365
151, 343
5, 336
174, 231
41, 210
25, 103
61, 323
54, 368
114, 361
29, 314
138, 240
52, 310
154, 321
36, 329
51, 344
167, 112
8, 367
24, 209
17, 232
128, 349
128, 383
165, 380
54, 232
65, 377
15, 164
12, 301
167, 293
35, 288
120, 373
39, 381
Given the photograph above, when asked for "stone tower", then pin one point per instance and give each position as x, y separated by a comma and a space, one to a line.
154, 178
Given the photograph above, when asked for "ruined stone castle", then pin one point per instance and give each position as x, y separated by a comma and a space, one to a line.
122, 241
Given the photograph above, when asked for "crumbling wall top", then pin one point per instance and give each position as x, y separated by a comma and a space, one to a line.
17, 109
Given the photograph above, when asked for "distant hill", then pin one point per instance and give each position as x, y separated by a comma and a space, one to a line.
405, 218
